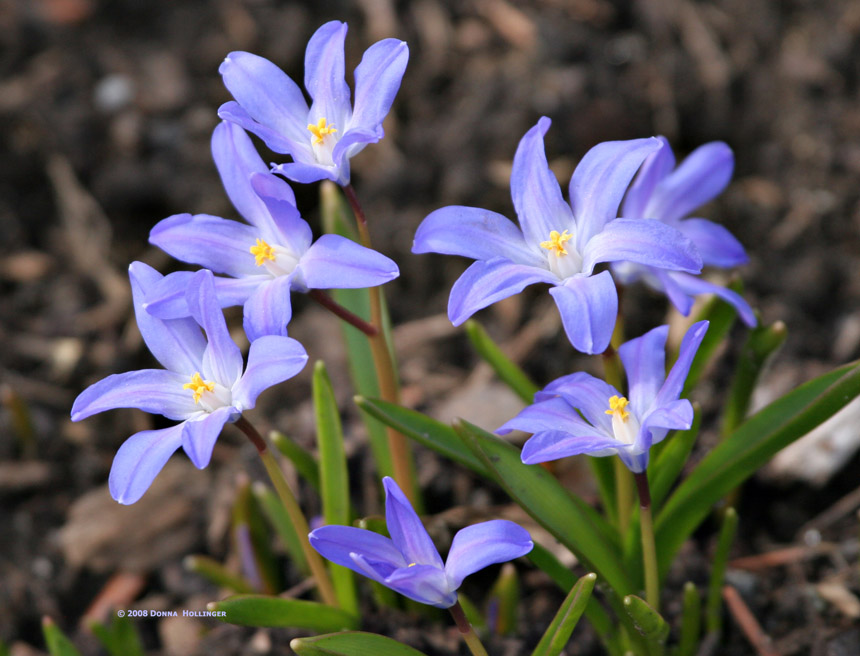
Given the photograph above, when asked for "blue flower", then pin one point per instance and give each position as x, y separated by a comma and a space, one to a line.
202, 384
408, 562
668, 194
320, 139
557, 243
267, 259
582, 414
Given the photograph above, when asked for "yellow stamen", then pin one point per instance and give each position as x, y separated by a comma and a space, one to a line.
198, 386
556, 242
410, 565
262, 252
617, 405
320, 130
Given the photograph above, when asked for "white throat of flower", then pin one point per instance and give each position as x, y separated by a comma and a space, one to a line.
323, 140
564, 261
277, 260
625, 425
208, 394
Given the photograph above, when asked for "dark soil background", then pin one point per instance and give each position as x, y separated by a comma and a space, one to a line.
107, 107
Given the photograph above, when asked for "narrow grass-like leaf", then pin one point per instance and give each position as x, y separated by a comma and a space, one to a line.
251, 537
303, 460
746, 450
603, 470
120, 638
214, 572
762, 342
573, 522
428, 432
691, 621
351, 643
279, 518
713, 608
334, 478
668, 464
56, 641
503, 601
560, 629
266, 611
722, 317
470, 610
505, 368
648, 621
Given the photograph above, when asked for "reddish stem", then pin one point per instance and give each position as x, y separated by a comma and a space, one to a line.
352, 319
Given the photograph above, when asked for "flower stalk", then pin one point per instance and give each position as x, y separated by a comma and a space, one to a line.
337, 309
389, 388
285, 494
649, 551
466, 631
613, 374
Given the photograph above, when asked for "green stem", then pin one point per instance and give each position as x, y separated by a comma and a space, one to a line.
649, 550
389, 389
613, 374
287, 498
466, 631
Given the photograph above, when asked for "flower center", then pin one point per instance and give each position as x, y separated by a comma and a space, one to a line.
262, 252
555, 243
624, 425
617, 405
198, 386
320, 130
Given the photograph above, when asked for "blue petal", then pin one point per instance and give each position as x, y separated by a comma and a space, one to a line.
486, 282
481, 545
642, 241
676, 415
425, 584
268, 310
324, 77
306, 173
588, 307
552, 414
587, 394
406, 529
671, 389
656, 167
198, 436
335, 262
166, 299
377, 80
139, 460
694, 285
271, 360
151, 390
177, 344
644, 360
209, 241
600, 180
535, 189
699, 179
288, 226
665, 281
270, 104
553, 445
337, 543
476, 233
222, 360
717, 246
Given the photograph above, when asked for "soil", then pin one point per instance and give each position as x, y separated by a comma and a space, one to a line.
107, 109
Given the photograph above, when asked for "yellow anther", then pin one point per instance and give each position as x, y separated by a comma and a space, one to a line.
198, 386
262, 252
617, 405
411, 565
556, 242
320, 130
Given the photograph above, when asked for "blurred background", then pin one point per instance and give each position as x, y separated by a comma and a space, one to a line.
107, 108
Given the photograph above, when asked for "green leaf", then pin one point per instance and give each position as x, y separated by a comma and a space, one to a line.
648, 621
504, 600
746, 450
428, 432
262, 610
558, 633
334, 478
713, 608
351, 643
691, 621
214, 572
56, 641
573, 522
120, 638
669, 462
304, 462
251, 536
505, 368
280, 520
